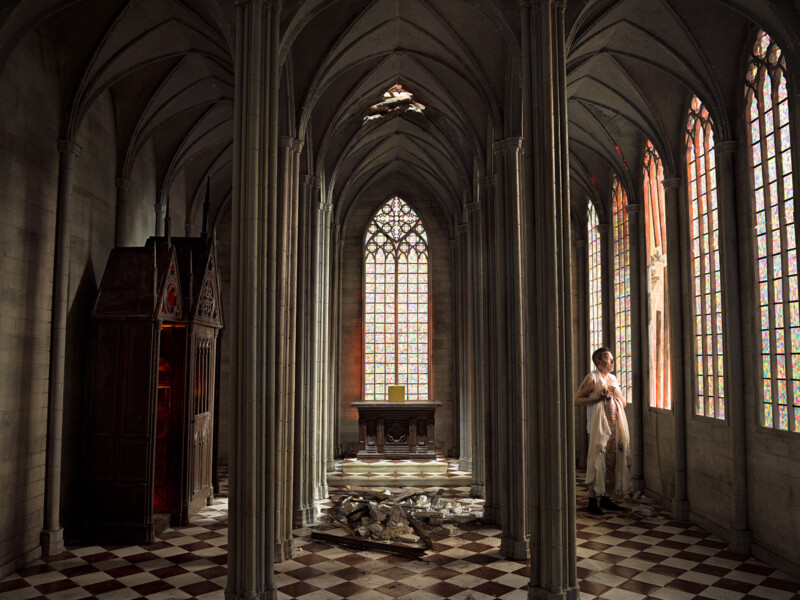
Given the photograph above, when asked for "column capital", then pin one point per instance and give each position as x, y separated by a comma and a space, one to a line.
486, 181
461, 229
580, 243
123, 183
506, 145
671, 182
603, 228
311, 181
292, 143
726, 147
68, 146
473, 207
634, 208
325, 207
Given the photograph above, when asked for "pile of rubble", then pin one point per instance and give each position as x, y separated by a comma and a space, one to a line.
381, 516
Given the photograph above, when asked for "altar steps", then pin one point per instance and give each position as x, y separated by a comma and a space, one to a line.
398, 473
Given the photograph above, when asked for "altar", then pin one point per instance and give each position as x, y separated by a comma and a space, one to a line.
388, 430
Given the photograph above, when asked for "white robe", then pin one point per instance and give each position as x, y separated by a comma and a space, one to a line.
599, 434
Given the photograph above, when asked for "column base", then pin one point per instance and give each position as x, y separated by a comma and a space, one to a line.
537, 593
283, 550
638, 484
478, 490
309, 516
271, 594
680, 509
465, 464
514, 549
52, 542
491, 514
740, 540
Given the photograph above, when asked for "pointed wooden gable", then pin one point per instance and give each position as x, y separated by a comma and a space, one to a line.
141, 282
197, 258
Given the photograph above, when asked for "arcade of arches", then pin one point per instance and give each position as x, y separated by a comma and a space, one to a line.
583, 172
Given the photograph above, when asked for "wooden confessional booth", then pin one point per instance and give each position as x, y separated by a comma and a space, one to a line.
150, 412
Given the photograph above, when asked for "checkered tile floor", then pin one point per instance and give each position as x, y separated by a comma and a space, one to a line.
638, 554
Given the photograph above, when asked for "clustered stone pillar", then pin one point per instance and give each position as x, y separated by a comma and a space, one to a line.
680, 503
161, 218
507, 351
581, 320
606, 282
477, 304
258, 313
121, 232
322, 347
306, 408
287, 215
548, 394
460, 250
636, 249
52, 536
740, 535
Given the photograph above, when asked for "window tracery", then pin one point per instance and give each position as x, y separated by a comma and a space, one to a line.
595, 281
622, 289
705, 264
776, 249
657, 280
395, 303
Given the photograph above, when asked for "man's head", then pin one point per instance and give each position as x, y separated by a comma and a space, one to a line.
602, 357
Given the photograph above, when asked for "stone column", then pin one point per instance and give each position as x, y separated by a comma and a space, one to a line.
161, 218
321, 396
509, 357
606, 283
122, 233
672, 199
493, 296
257, 305
545, 221
581, 254
307, 449
637, 272
52, 536
460, 251
477, 363
740, 535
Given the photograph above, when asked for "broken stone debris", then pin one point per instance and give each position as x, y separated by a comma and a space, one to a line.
383, 515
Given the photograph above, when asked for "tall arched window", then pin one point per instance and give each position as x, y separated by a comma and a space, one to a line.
622, 289
776, 249
706, 275
595, 282
656, 233
395, 303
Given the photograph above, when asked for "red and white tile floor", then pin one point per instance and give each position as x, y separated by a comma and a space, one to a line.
620, 557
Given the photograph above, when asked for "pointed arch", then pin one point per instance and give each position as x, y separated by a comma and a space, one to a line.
657, 280
772, 180
595, 279
622, 287
396, 303
706, 270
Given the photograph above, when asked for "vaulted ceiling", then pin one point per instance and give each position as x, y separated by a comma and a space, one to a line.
632, 67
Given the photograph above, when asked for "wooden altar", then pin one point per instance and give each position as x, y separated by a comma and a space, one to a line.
389, 430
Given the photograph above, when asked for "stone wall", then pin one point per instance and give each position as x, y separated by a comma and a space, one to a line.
29, 160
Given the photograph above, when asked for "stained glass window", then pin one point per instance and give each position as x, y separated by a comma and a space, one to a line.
595, 282
622, 289
705, 264
767, 116
395, 303
658, 326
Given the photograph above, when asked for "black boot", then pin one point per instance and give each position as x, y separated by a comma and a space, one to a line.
593, 509
605, 502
